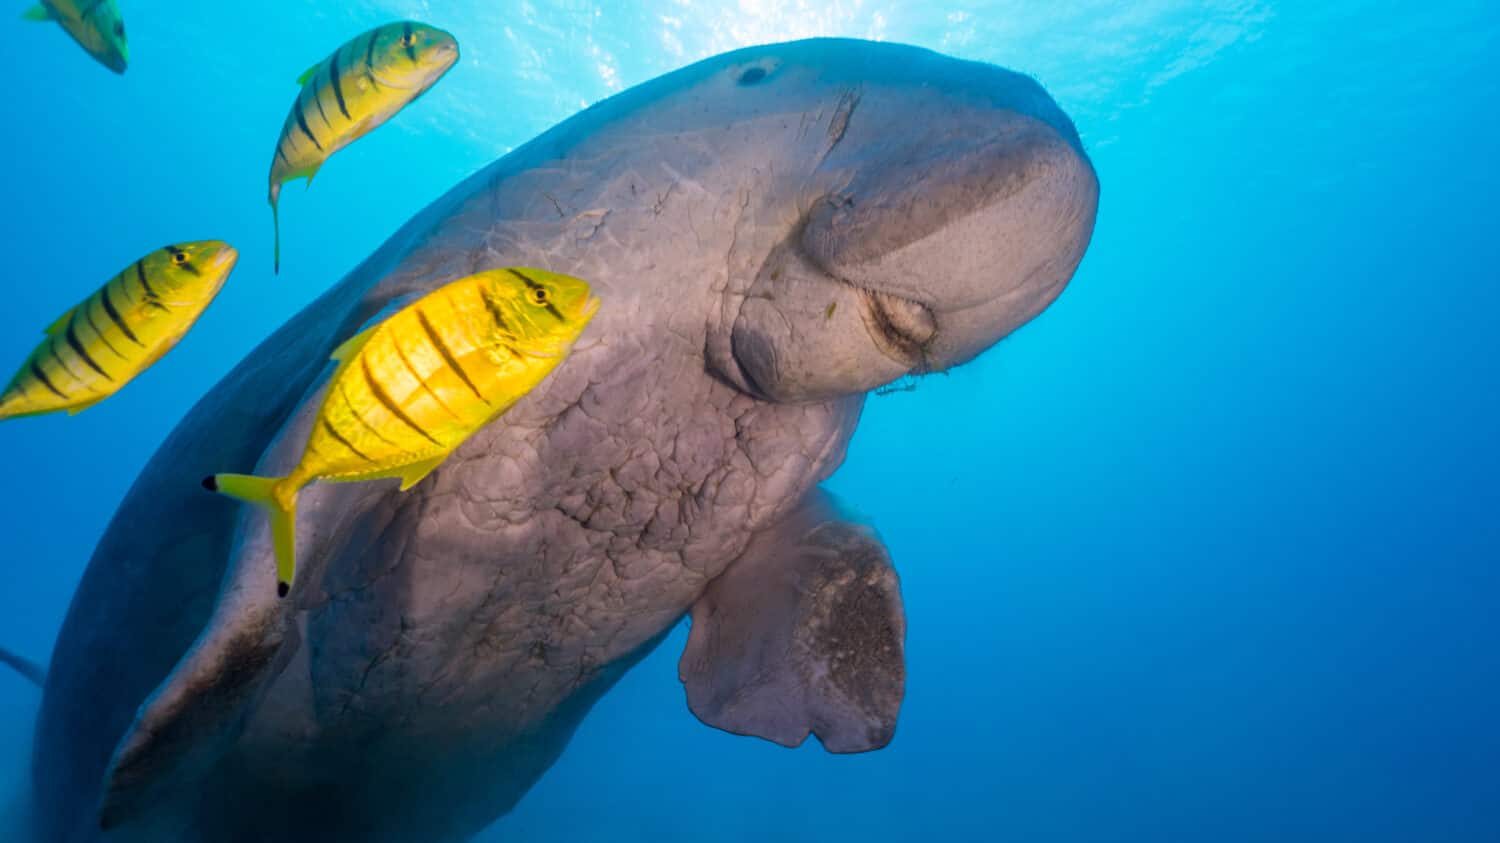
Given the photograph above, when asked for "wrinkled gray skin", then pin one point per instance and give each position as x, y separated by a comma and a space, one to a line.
774, 232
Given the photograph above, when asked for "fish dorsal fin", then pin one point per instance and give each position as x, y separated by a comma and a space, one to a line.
37, 13
60, 323
412, 474
350, 347
309, 73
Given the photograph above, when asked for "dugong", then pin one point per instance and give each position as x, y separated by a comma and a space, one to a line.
774, 232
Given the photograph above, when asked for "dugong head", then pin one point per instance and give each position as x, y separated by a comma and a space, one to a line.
955, 203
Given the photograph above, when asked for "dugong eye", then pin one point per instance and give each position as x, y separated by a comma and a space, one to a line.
752, 76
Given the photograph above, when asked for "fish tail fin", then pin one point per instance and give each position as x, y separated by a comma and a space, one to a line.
267, 492
276, 228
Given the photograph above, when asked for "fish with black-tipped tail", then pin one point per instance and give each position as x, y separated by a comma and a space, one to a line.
95, 24
413, 387
362, 85
120, 330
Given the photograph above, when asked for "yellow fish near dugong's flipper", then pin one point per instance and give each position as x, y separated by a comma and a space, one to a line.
115, 334
413, 387
95, 24
363, 84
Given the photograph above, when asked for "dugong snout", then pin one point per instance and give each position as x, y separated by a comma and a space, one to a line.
950, 229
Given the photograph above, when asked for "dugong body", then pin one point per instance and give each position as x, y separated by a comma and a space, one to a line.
773, 232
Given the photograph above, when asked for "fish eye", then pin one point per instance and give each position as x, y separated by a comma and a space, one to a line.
120, 28
539, 296
409, 40
179, 258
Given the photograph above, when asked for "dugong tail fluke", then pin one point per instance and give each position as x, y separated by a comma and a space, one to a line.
29, 669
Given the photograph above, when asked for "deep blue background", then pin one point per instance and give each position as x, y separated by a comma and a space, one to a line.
1207, 552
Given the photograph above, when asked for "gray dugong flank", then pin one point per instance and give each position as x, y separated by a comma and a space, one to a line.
774, 232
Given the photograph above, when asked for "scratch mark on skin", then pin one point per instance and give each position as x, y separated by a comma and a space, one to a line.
555, 204
680, 179
586, 225
661, 199
840, 122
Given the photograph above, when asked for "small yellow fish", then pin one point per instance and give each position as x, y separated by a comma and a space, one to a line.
95, 24
413, 387
363, 84
119, 331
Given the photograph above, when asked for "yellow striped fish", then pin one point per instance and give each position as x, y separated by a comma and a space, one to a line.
413, 387
95, 24
119, 331
363, 84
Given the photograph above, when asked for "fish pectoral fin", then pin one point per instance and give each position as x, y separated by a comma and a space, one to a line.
78, 408
412, 474
37, 13
60, 323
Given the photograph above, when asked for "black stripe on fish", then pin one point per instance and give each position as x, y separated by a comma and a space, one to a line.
494, 308
390, 403
122, 286
114, 316
88, 314
419, 379
317, 96
282, 155
532, 285
72, 337
525, 279
448, 357
369, 67
52, 347
338, 91
364, 422
185, 266
339, 438
409, 42
302, 122
36, 372
140, 272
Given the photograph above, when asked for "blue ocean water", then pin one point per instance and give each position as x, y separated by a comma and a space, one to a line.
1207, 552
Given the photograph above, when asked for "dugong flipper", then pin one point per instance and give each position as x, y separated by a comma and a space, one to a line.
773, 233
804, 633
